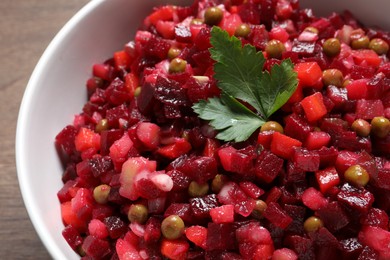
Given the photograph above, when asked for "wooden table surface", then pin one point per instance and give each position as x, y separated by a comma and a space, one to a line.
26, 28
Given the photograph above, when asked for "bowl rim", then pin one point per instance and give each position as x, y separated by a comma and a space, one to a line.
21, 128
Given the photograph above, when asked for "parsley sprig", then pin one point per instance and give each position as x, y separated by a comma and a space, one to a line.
240, 75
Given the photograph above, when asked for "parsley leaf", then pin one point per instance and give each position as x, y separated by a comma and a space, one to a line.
228, 116
240, 76
237, 68
276, 88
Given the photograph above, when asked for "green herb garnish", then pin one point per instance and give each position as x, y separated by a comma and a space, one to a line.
240, 75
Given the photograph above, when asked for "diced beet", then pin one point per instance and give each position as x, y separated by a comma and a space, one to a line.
356, 198
264, 138
72, 236
65, 145
302, 246
180, 180
115, 226
368, 109
268, 166
222, 214
368, 254
148, 134
317, 140
306, 160
95, 247
82, 204
221, 236
297, 127
275, 214
108, 138
293, 173
273, 195
376, 238
323, 238
152, 230
183, 210
157, 205
100, 165
117, 114
314, 199
66, 192
376, 218
170, 92
357, 89
327, 179
200, 207
344, 160
258, 36
250, 237
297, 213
147, 189
232, 194
284, 254
333, 216
337, 95
251, 189
351, 248
199, 168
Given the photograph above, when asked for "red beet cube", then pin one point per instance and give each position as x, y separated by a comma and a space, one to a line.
65, 145
306, 160
264, 138
313, 199
95, 247
317, 140
376, 218
297, 127
276, 215
183, 210
222, 214
376, 238
251, 189
72, 236
200, 207
152, 230
268, 166
333, 216
356, 198
199, 168
221, 236
115, 226
232, 194
327, 179
302, 246
285, 254
368, 109
351, 248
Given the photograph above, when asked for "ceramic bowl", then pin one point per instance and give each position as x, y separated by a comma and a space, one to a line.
56, 92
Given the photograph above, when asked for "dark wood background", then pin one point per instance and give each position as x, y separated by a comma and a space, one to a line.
26, 28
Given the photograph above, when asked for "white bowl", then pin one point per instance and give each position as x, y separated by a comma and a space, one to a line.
56, 91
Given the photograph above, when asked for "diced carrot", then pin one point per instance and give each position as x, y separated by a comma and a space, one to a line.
314, 107
283, 145
309, 73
